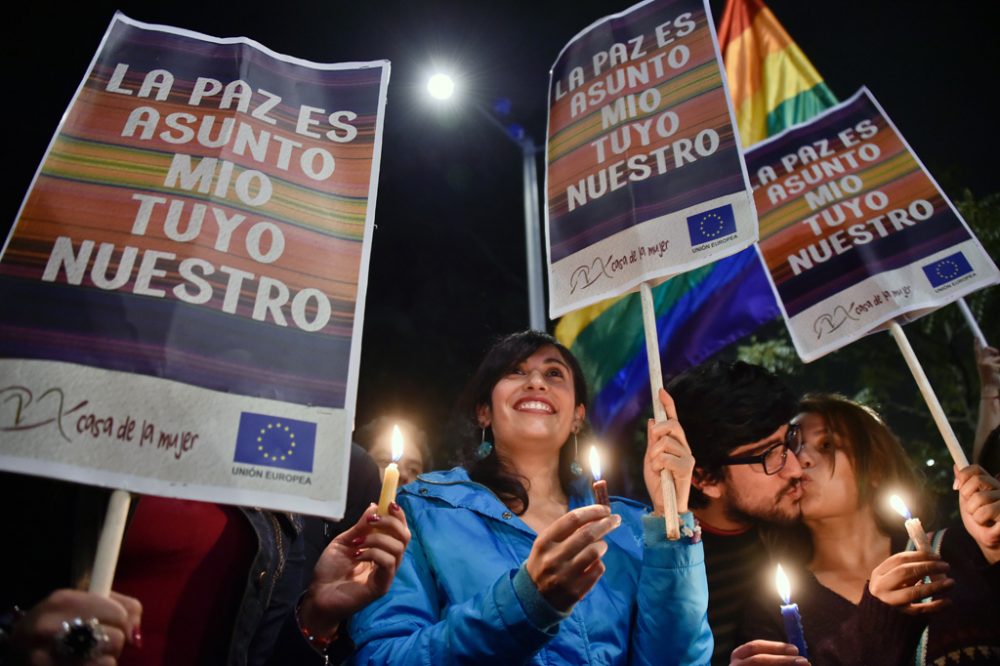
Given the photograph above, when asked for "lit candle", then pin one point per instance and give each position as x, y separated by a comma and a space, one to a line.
912, 525
600, 485
390, 478
790, 613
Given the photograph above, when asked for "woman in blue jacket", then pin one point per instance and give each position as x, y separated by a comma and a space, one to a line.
510, 562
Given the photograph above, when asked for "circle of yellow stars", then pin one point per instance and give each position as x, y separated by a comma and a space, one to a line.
951, 266
715, 232
279, 428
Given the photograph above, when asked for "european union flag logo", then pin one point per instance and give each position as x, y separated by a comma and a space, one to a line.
948, 269
711, 224
275, 442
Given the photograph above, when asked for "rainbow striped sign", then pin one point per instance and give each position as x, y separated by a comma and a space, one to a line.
199, 228
854, 230
644, 177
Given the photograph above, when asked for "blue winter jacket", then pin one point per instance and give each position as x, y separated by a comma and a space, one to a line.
463, 596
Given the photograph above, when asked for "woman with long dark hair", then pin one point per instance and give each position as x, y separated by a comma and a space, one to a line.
511, 562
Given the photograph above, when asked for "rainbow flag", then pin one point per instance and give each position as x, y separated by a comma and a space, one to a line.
773, 86
772, 83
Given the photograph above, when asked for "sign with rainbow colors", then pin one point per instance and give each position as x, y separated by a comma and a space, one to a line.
183, 289
644, 177
854, 231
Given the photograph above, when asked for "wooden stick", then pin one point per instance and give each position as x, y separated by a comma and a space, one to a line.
670, 516
950, 440
110, 543
971, 321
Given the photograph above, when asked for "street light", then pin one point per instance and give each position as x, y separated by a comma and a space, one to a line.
442, 87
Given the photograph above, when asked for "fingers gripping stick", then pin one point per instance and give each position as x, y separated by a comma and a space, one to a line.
659, 413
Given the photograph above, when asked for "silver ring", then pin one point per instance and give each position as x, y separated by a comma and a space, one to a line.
81, 639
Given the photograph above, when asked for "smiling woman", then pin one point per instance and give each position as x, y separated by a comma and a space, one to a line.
510, 547
523, 367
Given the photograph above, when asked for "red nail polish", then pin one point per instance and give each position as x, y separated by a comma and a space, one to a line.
357, 541
137, 637
374, 518
394, 507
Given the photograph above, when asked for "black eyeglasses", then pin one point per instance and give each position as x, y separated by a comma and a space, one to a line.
773, 458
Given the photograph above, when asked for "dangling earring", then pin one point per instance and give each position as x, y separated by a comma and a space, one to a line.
574, 466
485, 447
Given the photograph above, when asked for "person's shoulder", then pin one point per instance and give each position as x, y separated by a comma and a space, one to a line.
453, 475
448, 490
447, 485
728, 548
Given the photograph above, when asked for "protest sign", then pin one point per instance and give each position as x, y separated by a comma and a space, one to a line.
644, 176
183, 290
854, 231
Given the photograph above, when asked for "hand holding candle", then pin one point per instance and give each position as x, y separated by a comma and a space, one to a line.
600, 485
913, 526
790, 613
390, 478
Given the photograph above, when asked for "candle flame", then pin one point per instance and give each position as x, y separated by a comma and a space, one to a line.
595, 463
900, 506
781, 582
397, 443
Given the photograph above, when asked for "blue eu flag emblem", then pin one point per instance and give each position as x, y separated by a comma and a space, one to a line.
711, 224
275, 442
948, 269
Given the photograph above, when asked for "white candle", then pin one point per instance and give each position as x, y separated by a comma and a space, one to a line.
913, 526
390, 478
600, 485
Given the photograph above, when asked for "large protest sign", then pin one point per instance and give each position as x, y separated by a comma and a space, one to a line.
854, 231
183, 290
644, 174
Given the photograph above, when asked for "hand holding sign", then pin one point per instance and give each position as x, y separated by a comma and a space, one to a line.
644, 179
667, 450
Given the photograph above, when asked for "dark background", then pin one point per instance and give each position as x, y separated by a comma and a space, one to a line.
447, 263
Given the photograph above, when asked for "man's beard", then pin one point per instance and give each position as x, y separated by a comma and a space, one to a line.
770, 512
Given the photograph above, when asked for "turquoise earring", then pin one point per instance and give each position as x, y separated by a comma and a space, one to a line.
485, 447
574, 466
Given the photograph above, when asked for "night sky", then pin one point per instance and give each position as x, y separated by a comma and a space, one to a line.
447, 264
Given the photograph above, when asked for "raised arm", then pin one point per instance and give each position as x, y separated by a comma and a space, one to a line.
671, 624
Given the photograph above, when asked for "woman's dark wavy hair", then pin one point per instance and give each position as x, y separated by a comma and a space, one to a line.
492, 471
880, 465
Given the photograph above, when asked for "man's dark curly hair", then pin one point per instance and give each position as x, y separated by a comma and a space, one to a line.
722, 406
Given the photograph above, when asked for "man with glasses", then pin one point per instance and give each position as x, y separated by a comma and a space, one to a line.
739, 421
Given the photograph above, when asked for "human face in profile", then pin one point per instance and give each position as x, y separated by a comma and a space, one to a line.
534, 404
750, 495
829, 484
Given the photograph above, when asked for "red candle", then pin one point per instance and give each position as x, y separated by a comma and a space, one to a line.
600, 485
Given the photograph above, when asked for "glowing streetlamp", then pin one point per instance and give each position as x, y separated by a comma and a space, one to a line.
441, 87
